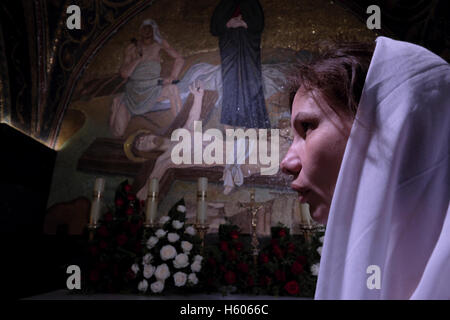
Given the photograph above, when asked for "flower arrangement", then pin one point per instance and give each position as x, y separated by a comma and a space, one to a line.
289, 266
171, 259
115, 244
229, 265
125, 257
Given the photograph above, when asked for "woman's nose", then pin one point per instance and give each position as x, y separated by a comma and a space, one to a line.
291, 163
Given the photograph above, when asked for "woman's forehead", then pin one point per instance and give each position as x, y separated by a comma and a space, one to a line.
305, 102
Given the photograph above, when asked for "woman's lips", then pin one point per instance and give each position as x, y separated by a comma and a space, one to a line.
303, 196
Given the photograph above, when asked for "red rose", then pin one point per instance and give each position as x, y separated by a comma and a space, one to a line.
239, 246
280, 275
103, 231
292, 288
134, 227
223, 246
130, 275
232, 255
94, 275
127, 188
291, 247
121, 239
296, 268
119, 202
282, 233
103, 244
230, 277
108, 217
250, 281
274, 242
265, 281
130, 211
302, 260
243, 267
264, 258
131, 197
234, 234
223, 269
142, 202
277, 252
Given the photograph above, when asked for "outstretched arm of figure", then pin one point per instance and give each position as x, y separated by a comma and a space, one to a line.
197, 89
130, 61
177, 65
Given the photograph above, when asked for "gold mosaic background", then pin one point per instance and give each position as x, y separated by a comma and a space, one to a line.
294, 24
289, 24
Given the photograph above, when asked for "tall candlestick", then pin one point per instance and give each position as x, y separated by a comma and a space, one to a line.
201, 199
99, 187
152, 202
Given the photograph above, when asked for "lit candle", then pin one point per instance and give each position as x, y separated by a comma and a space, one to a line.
202, 184
201, 199
152, 201
305, 216
99, 187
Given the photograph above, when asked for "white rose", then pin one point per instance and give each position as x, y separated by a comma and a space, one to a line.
319, 250
321, 239
160, 233
193, 278
181, 208
181, 261
135, 268
162, 272
186, 246
198, 258
196, 266
190, 231
168, 252
177, 224
180, 279
173, 237
315, 269
143, 285
151, 242
149, 270
164, 219
147, 259
157, 286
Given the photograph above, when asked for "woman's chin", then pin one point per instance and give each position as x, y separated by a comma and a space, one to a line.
319, 213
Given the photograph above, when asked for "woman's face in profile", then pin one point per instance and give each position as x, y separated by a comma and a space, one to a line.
314, 158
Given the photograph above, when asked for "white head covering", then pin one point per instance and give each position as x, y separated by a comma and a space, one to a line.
156, 34
391, 202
